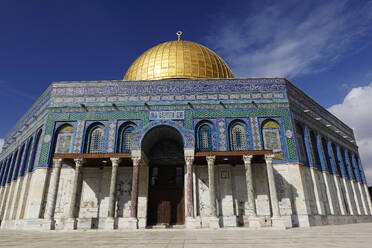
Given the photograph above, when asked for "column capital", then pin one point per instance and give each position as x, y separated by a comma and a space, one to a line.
115, 161
210, 159
136, 161
269, 158
247, 158
79, 161
189, 159
57, 162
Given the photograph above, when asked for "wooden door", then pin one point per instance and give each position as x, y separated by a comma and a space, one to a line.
166, 197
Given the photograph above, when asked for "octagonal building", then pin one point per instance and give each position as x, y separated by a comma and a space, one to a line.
181, 143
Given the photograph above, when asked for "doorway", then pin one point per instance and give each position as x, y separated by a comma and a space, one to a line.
164, 147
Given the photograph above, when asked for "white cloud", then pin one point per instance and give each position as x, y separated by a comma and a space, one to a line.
291, 39
355, 111
1, 144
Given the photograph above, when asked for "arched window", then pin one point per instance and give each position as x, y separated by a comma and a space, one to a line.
34, 152
18, 162
64, 139
315, 153
353, 167
300, 139
205, 137
95, 140
271, 136
327, 155
125, 138
27, 155
338, 167
237, 137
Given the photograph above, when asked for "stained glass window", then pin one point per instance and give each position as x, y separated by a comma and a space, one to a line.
238, 140
96, 140
205, 138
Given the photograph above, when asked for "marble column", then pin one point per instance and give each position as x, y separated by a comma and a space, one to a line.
191, 222
213, 220
109, 223
189, 196
276, 218
134, 194
71, 222
362, 198
336, 177
325, 170
250, 217
49, 223
368, 198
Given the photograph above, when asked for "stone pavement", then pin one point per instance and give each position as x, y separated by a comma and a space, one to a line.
353, 236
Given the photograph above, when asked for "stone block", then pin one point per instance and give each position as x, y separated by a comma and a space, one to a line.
109, 223
277, 223
142, 223
254, 222
70, 224
127, 223
228, 221
192, 223
48, 225
213, 222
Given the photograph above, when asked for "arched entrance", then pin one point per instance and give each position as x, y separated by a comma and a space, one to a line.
163, 146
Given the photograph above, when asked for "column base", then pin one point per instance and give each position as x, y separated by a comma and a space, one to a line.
109, 224
48, 225
214, 222
252, 221
277, 222
192, 223
127, 223
70, 224
142, 223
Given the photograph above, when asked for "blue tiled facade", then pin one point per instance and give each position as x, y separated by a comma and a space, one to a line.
182, 104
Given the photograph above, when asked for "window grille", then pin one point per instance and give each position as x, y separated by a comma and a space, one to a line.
96, 141
205, 138
238, 140
126, 139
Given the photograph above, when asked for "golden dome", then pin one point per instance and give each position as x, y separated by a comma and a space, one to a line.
178, 59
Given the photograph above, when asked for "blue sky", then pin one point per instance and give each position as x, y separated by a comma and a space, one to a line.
324, 47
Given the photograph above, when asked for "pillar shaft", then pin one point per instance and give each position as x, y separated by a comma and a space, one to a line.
368, 198
112, 195
212, 187
134, 194
54, 184
190, 207
76, 186
251, 203
272, 186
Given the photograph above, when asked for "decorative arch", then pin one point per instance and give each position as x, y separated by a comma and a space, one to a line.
27, 156
315, 149
204, 134
300, 139
95, 138
187, 135
328, 157
124, 137
238, 136
63, 139
271, 137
